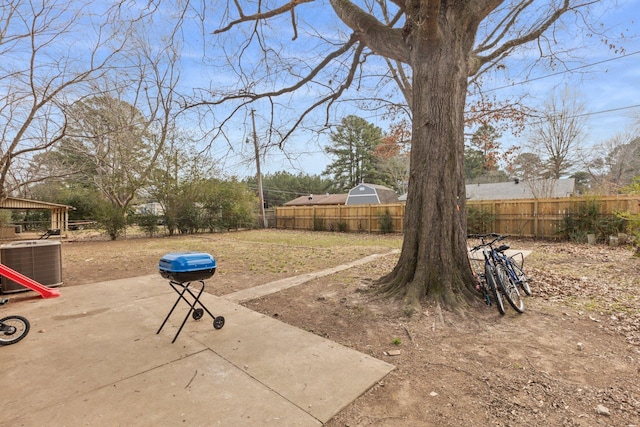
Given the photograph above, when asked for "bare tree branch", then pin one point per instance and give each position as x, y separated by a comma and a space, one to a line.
331, 98
505, 27
380, 38
259, 16
41, 69
502, 27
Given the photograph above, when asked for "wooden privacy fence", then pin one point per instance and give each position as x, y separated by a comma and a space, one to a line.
540, 218
543, 218
354, 218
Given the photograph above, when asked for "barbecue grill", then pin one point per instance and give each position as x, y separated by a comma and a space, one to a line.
184, 269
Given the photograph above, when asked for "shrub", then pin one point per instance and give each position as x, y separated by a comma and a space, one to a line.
342, 227
149, 223
479, 221
190, 219
112, 220
588, 219
632, 223
385, 222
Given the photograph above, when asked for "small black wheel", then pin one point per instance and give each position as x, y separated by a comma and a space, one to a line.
198, 313
13, 329
218, 322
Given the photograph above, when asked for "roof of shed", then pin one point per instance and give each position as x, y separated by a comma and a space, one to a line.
318, 199
385, 194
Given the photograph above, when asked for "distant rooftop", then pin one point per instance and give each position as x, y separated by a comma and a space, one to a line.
361, 194
318, 199
539, 189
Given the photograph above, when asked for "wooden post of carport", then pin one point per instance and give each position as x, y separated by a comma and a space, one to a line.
60, 220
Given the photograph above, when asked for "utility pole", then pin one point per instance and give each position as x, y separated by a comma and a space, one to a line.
258, 174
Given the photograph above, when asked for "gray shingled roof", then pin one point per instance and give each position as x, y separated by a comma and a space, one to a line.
522, 190
539, 189
318, 199
371, 194
376, 192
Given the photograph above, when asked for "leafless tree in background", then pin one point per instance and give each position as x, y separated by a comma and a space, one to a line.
51, 51
56, 55
558, 135
614, 163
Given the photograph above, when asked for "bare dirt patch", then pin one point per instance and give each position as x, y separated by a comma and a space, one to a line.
572, 359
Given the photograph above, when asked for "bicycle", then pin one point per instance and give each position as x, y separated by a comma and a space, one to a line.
515, 268
12, 328
486, 273
500, 273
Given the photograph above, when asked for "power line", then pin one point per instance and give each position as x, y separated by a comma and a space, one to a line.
559, 73
570, 70
607, 111
591, 113
270, 190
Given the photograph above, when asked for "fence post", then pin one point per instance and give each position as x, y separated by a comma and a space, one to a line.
535, 218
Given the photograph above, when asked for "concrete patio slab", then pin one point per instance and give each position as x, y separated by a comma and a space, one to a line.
93, 357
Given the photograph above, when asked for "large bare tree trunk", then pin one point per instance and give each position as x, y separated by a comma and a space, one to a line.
434, 260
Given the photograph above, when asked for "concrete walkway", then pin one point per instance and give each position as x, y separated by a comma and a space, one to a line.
279, 285
93, 358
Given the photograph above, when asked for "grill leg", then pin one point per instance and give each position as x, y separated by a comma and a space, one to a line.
192, 305
180, 296
182, 325
197, 300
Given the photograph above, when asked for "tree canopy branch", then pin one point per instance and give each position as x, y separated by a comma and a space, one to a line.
306, 79
289, 7
380, 38
332, 97
531, 35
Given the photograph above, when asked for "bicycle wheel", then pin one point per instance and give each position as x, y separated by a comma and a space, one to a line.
489, 274
509, 288
13, 329
522, 278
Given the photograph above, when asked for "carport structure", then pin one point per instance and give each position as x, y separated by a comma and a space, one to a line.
59, 213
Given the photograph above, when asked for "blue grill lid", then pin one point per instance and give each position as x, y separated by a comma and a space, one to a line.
184, 262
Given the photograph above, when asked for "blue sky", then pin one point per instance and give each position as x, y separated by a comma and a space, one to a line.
606, 82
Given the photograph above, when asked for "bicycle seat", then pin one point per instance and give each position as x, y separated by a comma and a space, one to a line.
502, 248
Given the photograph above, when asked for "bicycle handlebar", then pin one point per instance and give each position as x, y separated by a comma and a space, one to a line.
480, 236
497, 238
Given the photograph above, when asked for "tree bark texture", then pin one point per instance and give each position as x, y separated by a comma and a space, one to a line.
434, 261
